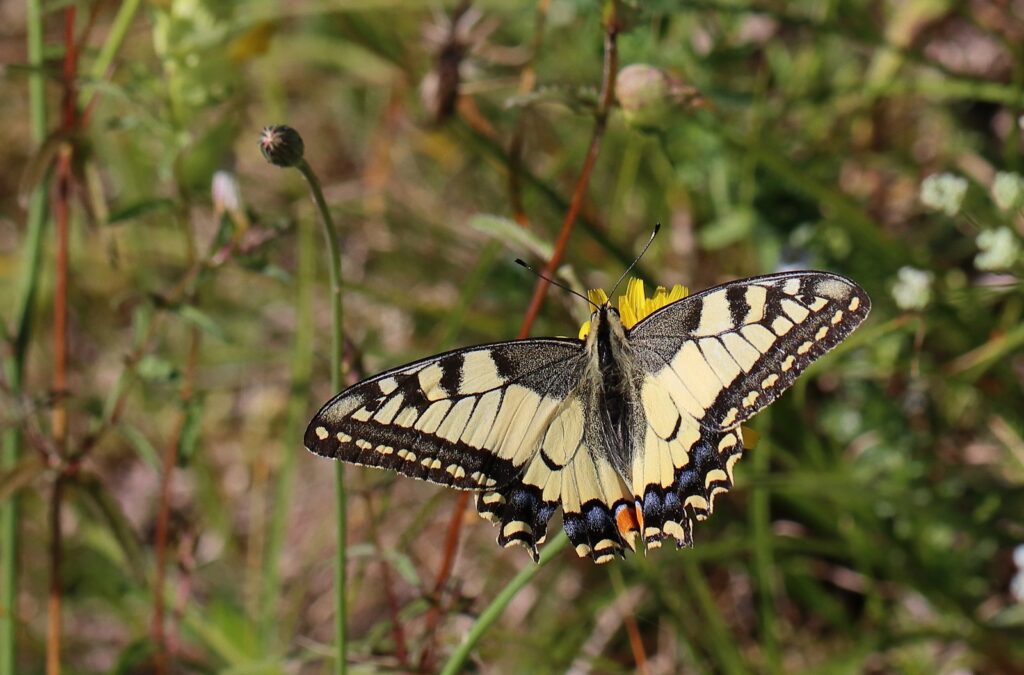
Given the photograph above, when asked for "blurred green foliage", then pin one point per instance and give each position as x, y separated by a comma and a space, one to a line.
874, 528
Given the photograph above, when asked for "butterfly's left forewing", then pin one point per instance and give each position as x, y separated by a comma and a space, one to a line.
470, 419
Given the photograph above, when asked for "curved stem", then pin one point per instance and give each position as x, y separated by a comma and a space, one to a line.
22, 323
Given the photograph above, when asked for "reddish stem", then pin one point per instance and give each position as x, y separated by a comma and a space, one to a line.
636, 644
59, 419
579, 194
170, 458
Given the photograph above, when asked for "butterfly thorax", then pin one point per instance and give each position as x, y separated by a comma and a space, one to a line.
614, 384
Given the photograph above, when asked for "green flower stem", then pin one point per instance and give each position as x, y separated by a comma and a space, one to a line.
334, 268
115, 38
498, 605
15, 367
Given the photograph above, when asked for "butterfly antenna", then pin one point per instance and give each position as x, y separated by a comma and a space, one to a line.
657, 227
522, 263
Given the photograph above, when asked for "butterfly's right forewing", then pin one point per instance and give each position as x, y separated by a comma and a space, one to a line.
726, 353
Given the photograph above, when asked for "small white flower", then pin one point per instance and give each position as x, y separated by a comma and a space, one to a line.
1018, 557
1008, 190
226, 194
1000, 249
944, 192
1017, 587
913, 288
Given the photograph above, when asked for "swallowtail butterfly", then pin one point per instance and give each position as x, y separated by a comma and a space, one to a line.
630, 431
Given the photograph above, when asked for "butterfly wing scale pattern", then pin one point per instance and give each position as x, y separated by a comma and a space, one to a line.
468, 419
567, 471
711, 361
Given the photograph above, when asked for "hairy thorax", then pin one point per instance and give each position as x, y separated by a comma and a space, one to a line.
614, 385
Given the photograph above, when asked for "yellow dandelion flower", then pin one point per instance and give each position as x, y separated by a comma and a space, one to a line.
634, 305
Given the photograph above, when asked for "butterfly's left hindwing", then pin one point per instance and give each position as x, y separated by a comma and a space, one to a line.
470, 419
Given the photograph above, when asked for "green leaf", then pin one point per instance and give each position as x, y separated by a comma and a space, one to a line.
512, 234
190, 431
136, 657
141, 445
156, 369
202, 321
729, 229
140, 208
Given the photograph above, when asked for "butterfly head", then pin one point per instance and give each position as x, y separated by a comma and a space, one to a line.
633, 306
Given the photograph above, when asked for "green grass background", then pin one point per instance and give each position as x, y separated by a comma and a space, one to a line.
872, 530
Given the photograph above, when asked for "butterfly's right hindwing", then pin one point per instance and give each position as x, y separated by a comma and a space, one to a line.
469, 419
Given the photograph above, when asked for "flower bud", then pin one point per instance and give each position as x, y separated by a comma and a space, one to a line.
281, 145
648, 94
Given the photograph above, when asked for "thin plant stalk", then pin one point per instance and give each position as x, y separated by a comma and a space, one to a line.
636, 643
497, 607
59, 414
337, 343
168, 460
28, 285
115, 38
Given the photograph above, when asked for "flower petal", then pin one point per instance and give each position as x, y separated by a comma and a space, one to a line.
634, 305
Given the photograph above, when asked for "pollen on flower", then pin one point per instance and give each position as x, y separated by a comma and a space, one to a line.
634, 305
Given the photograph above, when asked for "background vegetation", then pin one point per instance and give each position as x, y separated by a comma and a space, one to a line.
166, 324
